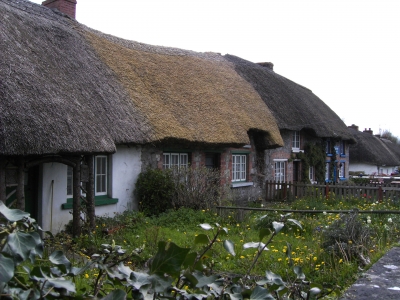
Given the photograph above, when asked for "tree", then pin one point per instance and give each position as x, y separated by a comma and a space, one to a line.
389, 136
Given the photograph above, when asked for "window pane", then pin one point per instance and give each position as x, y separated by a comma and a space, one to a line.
174, 160
166, 162
101, 174
184, 160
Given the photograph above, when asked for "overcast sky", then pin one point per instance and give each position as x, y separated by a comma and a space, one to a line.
346, 52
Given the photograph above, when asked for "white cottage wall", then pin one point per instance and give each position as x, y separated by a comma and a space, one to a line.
124, 169
54, 194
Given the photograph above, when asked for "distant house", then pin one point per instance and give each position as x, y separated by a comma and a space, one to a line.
82, 112
316, 140
373, 155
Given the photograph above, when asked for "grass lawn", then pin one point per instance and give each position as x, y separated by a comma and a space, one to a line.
338, 264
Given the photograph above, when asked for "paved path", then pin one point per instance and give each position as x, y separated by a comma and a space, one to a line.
381, 281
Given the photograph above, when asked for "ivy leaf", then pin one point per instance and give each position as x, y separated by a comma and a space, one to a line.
160, 283
230, 247
21, 244
296, 223
299, 272
260, 293
263, 233
12, 215
116, 295
206, 226
258, 245
201, 239
204, 280
58, 258
223, 231
139, 279
6, 268
277, 226
274, 278
168, 259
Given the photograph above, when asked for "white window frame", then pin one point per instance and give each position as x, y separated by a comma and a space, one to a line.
280, 170
296, 141
97, 174
311, 174
327, 171
175, 160
342, 170
239, 167
100, 173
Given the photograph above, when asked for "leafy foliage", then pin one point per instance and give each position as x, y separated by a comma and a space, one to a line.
154, 190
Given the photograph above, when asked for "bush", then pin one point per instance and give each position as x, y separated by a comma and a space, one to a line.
349, 237
154, 191
196, 188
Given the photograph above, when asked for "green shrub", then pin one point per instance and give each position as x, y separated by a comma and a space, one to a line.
154, 191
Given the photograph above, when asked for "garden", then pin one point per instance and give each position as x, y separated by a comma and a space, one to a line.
200, 253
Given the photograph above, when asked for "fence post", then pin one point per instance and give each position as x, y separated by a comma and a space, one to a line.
326, 191
380, 194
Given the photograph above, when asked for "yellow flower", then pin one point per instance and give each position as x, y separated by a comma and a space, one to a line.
241, 256
86, 275
315, 259
340, 261
279, 259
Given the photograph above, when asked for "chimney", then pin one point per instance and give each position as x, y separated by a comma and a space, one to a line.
368, 131
268, 65
67, 7
353, 126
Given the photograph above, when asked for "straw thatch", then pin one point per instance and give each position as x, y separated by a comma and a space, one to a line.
66, 88
293, 106
371, 149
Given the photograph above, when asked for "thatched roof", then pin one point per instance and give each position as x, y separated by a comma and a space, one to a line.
67, 88
293, 106
371, 149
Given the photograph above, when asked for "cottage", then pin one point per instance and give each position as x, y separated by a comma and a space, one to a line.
316, 139
83, 113
373, 155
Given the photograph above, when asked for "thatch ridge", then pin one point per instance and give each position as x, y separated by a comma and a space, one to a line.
295, 107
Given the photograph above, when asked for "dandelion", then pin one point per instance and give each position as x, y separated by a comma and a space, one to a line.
279, 259
241, 256
86, 275
340, 261
315, 258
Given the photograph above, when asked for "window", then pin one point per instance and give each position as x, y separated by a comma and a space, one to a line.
327, 171
342, 173
328, 148
239, 165
342, 148
280, 171
175, 160
296, 140
100, 175
311, 174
